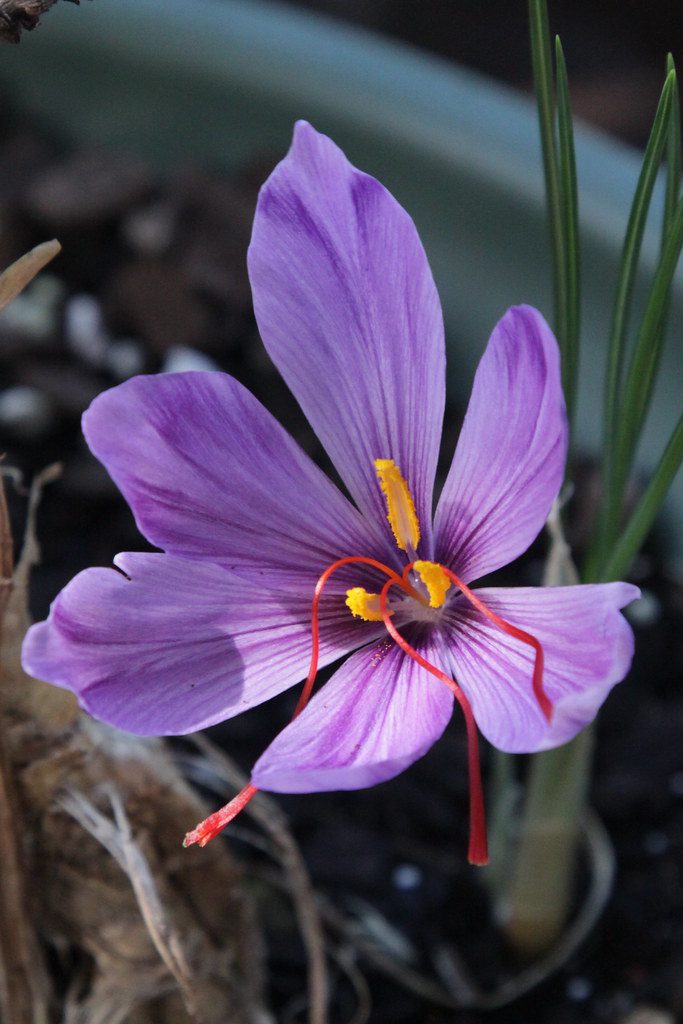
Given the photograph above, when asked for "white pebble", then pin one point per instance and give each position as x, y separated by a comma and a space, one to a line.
407, 877
181, 358
646, 610
124, 358
25, 411
47, 290
84, 330
34, 312
579, 989
150, 230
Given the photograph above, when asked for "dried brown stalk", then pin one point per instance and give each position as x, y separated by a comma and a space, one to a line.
273, 822
24, 985
24, 982
93, 867
22, 271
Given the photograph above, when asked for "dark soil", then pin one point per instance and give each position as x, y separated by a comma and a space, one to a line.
153, 277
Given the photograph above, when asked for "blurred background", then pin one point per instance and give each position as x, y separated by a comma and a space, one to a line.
615, 48
139, 133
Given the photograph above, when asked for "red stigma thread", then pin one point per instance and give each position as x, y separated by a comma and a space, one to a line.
539, 693
477, 852
209, 828
216, 822
315, 629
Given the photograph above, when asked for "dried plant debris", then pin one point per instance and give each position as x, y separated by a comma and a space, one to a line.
94, 879
17, 15
22, 271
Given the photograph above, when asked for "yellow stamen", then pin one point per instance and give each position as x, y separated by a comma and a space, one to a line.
363, 605
400, 506
435, 580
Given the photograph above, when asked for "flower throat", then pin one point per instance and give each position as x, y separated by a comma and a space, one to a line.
429, 584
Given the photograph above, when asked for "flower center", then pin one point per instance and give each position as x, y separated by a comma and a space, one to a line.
429, 581
421, 603
424, 587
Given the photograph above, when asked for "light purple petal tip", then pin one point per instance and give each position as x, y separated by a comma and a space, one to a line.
210, 474
588, 646
509, 462
178, 645
347, 308
378, 714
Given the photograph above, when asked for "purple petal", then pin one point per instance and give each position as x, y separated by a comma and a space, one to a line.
509, 461
210, 474
377, 714
349, 313
179, 645
587, 644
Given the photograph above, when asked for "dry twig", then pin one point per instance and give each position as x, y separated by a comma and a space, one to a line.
169, 939
22, 271
115, 836
271, 819
24, 986
17, 15
172, 937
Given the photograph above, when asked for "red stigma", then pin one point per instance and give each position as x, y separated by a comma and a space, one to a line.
477, 852
537, 682
208, 829
315, 628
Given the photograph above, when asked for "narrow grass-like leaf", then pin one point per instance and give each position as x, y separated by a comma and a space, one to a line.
541, 58
632, 244
630, 540
646, 357
642, 518
570, 217
673, 156
645, 361
646, 354
623, 302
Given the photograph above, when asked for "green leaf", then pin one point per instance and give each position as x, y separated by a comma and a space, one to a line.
642, 372
673, 156
642, 518
632, 244
622, 308
570, 223
647, 353
545, 98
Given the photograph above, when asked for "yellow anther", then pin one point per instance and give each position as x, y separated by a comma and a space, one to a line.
364, 605
435, 580
400, 506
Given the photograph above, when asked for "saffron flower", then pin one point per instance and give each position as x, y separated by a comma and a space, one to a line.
254, 535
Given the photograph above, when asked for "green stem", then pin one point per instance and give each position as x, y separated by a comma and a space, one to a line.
541, 885
538, 886
504, 789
